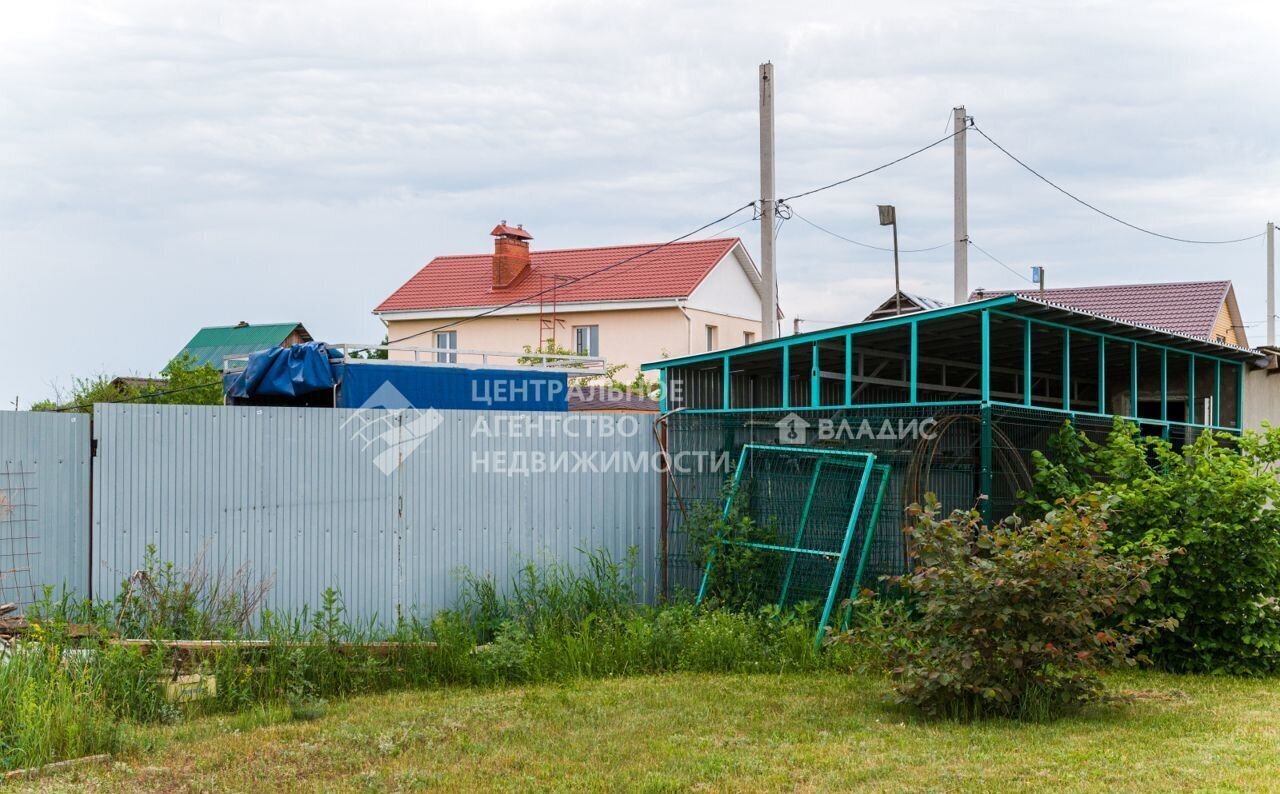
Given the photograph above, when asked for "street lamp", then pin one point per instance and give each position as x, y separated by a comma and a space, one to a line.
889, 217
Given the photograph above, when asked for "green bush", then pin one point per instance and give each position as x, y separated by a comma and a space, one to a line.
1215, 501
1015, 619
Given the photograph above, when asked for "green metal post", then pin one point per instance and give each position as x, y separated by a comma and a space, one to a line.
804, 519
664, 380
985, 479
1164, 388
728, 508
1102, 374
727, 404
1133, 381
1026, 364
1066, 370
848, 369
984, 440
815, 380
844, 550
885, 473
1192, 413
915, 361
1240, 397
1217, 393
786, 377
986, 357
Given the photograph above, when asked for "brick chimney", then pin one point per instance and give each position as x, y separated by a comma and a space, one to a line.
510, 254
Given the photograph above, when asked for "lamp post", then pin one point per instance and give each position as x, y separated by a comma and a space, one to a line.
889, 217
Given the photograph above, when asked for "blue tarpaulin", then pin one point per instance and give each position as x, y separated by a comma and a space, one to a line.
286, 376
288, 372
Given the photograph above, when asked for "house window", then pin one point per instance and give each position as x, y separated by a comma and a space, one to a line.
1220, 339
446, 340
713, 337
748, 337
586, 340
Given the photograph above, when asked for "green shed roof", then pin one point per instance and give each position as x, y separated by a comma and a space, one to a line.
213, 344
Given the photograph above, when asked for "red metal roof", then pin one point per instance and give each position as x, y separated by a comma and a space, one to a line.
603, 398
1188, 307
466, 281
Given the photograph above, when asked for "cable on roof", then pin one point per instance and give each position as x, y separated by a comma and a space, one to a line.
1102, 212
574, 280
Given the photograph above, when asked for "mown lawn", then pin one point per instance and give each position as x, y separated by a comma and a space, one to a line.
819, 732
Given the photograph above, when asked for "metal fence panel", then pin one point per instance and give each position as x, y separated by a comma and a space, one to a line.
44, 504
296, 494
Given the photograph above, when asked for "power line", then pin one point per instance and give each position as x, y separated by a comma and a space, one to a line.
868, 172
989, 255
1102, 212
568, 282
867, 245
727, 229
136, 397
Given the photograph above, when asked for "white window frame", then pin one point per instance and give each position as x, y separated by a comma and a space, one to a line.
593, 340
449, 341
713, 337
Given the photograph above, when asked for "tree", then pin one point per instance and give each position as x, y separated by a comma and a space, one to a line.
374, 355
182, 383
1216, 502
639, 385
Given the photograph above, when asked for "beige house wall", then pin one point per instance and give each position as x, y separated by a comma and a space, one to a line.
1261, 398
629, 337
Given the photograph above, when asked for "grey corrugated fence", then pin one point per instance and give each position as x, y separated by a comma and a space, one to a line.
388, 508
44, 504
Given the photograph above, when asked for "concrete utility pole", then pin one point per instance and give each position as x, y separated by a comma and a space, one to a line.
1271, 283
961, 122
768, 264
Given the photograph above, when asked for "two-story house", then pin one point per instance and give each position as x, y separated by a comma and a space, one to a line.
629, 304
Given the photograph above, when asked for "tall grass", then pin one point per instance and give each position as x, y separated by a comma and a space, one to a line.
556, 622
50, 710
552, 622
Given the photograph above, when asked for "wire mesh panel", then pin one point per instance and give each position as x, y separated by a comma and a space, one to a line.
1019, 433
927, 448
17, 535
789, 522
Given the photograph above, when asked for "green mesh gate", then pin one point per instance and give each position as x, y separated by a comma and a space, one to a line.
815, 513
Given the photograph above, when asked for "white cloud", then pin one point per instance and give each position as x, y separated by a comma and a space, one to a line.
165, 165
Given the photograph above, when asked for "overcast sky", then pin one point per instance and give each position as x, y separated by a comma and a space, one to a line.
169, 165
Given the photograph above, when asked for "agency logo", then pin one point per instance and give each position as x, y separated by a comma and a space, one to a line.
388, 424
792, 429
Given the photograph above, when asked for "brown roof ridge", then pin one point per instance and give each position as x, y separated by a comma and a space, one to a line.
1032, 288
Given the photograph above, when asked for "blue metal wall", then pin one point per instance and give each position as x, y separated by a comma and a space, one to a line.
454, 387
296, 493
44, 479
